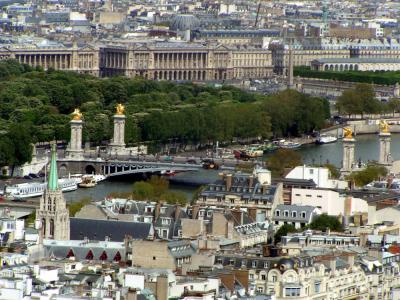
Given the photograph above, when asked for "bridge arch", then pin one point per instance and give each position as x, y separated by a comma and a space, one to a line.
63, 170
90, 169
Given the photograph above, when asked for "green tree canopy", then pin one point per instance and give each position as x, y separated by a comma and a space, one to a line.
370, 173
282, 159
324, 222
283, 231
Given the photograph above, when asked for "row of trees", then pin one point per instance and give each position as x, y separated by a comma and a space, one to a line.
157, 189
379, 77
156, 110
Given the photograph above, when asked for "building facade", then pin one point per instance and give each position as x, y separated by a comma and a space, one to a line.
185, 61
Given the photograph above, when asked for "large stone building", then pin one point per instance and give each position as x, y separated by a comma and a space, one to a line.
78, 59
185, 61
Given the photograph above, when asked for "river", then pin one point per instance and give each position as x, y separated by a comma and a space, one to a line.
367, 148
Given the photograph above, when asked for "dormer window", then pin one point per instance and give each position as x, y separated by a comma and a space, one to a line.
163, 210
286, 213
294, 214
303, 214
277, 212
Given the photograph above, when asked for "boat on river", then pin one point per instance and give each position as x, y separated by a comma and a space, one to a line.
326, 139
36, 189
283, 144
87, 182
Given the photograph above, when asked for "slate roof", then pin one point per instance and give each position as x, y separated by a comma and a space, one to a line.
240, 186
115, 230
298, 209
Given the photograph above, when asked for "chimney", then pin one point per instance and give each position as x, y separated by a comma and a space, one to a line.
177, 212
350, 260
332, 264
195, 211
237, 216
252, 211
347, 206
228, 181
157, 211
251, 181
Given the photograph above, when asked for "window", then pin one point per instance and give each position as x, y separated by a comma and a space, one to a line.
232, 262
251, 276
286, 213
260, 289
292, 292
303, 214
263, 277
254, 263
232, 201
265, 265
294, 214
277, 213
201, 213
209, 213
309, 196
274, 278
311, 171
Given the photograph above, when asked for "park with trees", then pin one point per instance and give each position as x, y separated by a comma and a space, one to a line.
35, 106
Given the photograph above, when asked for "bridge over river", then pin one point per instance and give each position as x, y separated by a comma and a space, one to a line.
125, 165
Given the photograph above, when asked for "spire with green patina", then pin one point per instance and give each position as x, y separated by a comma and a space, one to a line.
53, 176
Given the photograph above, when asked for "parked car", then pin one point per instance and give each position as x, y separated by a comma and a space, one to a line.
191, 161
210, 164
27, 177
33, 175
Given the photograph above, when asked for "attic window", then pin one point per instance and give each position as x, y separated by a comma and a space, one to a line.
294, 214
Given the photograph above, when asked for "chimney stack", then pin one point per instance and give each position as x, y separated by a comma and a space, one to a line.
228, 181
251, 181
177, 212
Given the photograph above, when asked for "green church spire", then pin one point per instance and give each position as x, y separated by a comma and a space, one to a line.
53, 176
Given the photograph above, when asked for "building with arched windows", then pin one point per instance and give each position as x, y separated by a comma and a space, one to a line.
356, 64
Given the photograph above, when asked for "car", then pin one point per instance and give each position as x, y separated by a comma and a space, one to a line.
191, 161
33, 175
168, 158
209, 164
27, 177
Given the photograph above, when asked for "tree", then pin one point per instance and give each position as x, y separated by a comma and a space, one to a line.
143, 191
160, 185
21, 140
394, 105
370, 173
174, 198
282, 159
283, 231
333, 170
324, 222
75, 207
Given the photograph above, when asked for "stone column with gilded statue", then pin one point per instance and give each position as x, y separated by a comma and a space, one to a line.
74, 149
117, 145
384, 144
348, 151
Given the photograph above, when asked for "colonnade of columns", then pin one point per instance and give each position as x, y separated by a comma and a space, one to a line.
180, 60
56, 61
180, 75
116, 60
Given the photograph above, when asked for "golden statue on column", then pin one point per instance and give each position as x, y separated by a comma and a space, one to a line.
348, 133
383, 126
120, 109
76, 115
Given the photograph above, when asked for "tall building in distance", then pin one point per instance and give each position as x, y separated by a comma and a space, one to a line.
53, 213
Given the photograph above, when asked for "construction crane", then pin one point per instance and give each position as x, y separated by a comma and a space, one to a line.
258, 12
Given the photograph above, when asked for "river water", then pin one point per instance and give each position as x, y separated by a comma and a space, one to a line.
367, 148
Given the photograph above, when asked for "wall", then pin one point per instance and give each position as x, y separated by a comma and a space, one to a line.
328, 201
192, 228
152, 254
